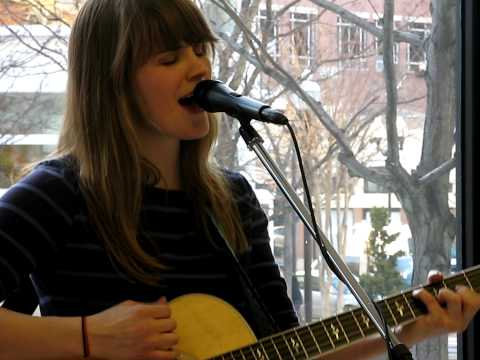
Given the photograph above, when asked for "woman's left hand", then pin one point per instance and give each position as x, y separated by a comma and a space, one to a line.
450, 311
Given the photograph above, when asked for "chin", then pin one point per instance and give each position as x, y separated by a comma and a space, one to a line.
196, 135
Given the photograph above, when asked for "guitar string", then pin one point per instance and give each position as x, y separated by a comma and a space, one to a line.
351, 325
314, 347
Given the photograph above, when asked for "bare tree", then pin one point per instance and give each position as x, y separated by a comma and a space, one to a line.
423, 193
33, 42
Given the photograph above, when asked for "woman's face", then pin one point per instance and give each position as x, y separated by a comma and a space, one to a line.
162, 82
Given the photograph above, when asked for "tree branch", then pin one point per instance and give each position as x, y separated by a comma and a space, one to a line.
438, 172
399, 36
390, 85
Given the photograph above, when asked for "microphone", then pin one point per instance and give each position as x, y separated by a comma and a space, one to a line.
215, 96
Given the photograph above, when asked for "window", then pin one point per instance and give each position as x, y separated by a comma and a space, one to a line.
351, 41
379, 49
14, 157
416, 56
302, 49
270, 29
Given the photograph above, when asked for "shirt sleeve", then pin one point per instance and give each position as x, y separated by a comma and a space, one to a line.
35, 215
259, 261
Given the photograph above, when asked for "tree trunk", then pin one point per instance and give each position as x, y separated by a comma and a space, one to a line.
431, 221
432, 240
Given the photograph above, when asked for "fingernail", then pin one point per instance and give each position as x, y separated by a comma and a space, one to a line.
460, 287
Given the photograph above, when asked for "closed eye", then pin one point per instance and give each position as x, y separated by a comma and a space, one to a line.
167, 57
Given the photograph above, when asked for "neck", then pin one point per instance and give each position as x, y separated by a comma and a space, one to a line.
165, 155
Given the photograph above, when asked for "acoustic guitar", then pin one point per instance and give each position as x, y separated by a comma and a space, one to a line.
210, 328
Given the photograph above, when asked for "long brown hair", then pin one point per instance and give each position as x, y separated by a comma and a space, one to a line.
110, 39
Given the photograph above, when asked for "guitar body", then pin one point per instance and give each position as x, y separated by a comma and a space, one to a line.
208, 326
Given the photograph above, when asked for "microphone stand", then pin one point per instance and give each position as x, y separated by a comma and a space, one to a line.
396, 350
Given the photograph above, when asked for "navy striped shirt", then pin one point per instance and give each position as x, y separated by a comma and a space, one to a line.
45, 233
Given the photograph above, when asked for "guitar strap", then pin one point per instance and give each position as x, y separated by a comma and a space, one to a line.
264, 323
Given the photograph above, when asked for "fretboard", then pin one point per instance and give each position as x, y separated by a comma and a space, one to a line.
321, 337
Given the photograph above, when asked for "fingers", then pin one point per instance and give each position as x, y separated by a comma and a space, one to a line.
428, 299
458, 309
452, 301
165, 341
163, 325
157, 310
470, 301
163, 355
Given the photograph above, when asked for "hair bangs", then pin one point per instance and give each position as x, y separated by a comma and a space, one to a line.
168, 25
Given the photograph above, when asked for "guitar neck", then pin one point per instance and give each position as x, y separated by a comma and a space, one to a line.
337, 331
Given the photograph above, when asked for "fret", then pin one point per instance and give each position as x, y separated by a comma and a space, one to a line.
401, 309
391, 312
247, 354
259, 352
435, 288
267, 353
351, 326
366, 321
444, 284
281, 347
292, 345
409, 306
314, 340
322, 337
241, 353
418, 308
341, 326
358, 324
288, 346
474, 279
468, 281
308, 341
328, 334
253, 353
275, 347
335, 332
233, 355
301, 345
267, 349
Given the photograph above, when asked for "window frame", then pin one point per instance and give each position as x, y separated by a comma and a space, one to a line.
468, 249
350, 58
302, 25
273, 45
416, 66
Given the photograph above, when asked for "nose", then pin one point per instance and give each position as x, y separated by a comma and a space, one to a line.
200, 67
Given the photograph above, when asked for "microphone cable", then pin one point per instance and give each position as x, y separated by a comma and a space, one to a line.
394, 352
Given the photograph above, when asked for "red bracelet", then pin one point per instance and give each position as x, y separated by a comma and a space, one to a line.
86, 347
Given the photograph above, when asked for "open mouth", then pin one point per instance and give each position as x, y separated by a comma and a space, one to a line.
187, 100
188, 103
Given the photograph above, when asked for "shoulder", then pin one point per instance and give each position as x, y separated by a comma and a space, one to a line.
241, 188
244, 195
58, 171
54, 178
